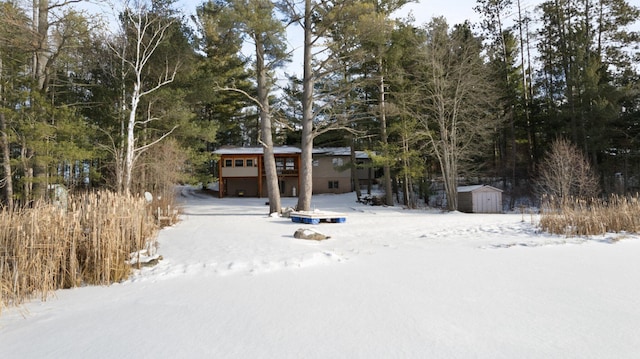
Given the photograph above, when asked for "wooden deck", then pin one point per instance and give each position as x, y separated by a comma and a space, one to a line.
315, 217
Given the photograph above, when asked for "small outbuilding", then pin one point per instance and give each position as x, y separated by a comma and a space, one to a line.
479, 199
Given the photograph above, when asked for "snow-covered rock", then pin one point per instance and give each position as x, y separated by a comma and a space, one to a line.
306, 233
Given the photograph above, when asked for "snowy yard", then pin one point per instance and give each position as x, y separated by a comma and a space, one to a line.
389, 283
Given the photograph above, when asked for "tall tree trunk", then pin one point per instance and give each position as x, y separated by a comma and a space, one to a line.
525, 84
119, 149
130, 138
26, 157
270, 168
406, 180
7, 182
388, 192
354, 169
41, 56
306, 170
6, 162
450, 172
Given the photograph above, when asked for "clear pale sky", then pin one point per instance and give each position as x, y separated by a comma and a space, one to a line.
455, 11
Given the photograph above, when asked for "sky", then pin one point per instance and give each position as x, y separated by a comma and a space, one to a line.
454, 10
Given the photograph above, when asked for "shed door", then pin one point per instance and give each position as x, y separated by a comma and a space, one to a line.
487, 202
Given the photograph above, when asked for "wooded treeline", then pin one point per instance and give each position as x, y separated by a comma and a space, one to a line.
140, 104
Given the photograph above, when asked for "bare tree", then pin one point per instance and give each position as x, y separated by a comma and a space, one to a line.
147, 32
566, 173
458, 96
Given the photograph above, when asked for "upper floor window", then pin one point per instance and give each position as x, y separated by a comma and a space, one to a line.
290, 164
239, 162
286, 165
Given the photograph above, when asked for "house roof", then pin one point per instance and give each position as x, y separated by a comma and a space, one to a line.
463, 189
279, 150
232, 150
339, 151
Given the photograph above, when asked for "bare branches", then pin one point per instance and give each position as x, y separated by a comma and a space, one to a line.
457, 96
565, 173
242, 92
143, 32
63, 4
142, 149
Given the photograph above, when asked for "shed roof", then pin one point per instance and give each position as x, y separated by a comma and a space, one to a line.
463, 189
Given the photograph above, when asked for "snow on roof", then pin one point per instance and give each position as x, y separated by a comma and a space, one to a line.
279, 150
463, 189
339, 151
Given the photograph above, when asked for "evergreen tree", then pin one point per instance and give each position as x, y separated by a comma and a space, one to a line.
255, 20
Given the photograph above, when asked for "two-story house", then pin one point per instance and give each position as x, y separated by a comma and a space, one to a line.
241, 170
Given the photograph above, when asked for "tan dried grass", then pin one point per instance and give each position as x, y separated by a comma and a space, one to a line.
45, 248
580, 217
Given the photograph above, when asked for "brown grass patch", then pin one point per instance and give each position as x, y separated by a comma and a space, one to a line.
579, 217
45, 247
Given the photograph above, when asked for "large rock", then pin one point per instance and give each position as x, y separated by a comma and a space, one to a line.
305, 233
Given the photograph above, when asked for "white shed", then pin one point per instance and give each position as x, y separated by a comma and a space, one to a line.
479, 199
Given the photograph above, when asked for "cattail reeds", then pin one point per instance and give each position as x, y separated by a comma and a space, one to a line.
46, 247
581, 217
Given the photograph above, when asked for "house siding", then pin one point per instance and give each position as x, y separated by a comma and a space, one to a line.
327, 173
241, 171
245, 187
465, 202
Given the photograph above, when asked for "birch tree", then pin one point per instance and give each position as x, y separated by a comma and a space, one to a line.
145, 31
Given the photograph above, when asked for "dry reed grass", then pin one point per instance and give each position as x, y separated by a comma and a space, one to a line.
579, 217
45, 248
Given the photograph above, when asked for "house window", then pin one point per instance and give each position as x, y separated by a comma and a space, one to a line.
337, 162
279, 165
228, 163
290, 164
250, 162
333, 185
239, 163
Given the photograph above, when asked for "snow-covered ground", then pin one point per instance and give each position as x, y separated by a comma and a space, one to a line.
389, 283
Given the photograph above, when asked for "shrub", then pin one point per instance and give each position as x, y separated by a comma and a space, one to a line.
565, 173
